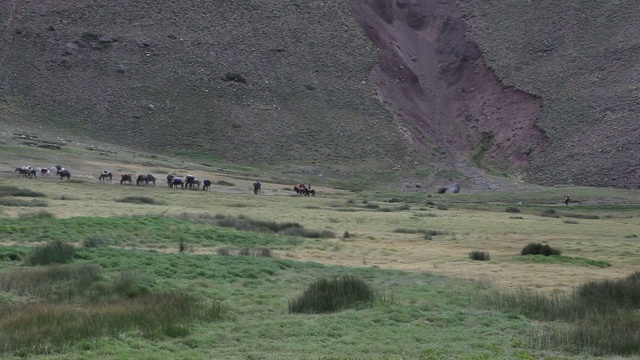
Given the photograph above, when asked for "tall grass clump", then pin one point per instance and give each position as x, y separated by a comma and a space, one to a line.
14, 191
41, 328
145, 200
331, 295
42, 214
539, 249
242, 222
512, 209
96, 241
598, 317
23, 203
53, 283
549, 213
479, 255
56, 252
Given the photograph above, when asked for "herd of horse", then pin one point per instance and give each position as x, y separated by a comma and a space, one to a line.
173, 181
29, 172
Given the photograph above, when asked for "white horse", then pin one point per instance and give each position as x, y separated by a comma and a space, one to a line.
43, 171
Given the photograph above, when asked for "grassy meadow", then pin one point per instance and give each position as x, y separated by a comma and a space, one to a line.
147, 272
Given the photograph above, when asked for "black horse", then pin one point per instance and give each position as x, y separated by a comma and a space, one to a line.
206, 184
190, 181
125, 178
256, 187
64, 173
106, 175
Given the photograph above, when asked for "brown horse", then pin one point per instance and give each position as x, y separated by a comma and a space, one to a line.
125, 178
206, 184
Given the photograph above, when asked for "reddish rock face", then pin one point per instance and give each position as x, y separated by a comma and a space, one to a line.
438, 84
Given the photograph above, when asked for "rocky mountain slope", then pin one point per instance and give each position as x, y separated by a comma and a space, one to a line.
546, 91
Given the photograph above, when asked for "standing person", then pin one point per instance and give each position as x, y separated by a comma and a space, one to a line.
256, 187
567, 199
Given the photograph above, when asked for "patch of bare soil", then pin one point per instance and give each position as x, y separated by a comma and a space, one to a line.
440, 88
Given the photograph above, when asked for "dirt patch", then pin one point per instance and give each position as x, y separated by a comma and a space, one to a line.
440, 88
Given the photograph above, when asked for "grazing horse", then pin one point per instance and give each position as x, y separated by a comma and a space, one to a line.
206, 184
106, 175
43, 171
146, 179
26, 172
175, 182
256, 187
125, 178
195, 184
189, 180
64, 173
170, 178
302, 189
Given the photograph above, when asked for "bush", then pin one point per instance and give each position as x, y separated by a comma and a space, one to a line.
512, 209
479, 255
57, 252
331, 295
540, 249
131, 284
95, 241
346, 235
442, 207
182, 246
234, 77
223, 251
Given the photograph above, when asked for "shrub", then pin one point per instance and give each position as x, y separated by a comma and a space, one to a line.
182, 246
234, 77
57, 252
223, 251
224, 183
346, 235
512, 209
540, 249
331, 295
442, 207
131, 284
95, 241
479, 255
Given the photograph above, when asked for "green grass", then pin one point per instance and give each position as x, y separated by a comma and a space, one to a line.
155, 231
176, 310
